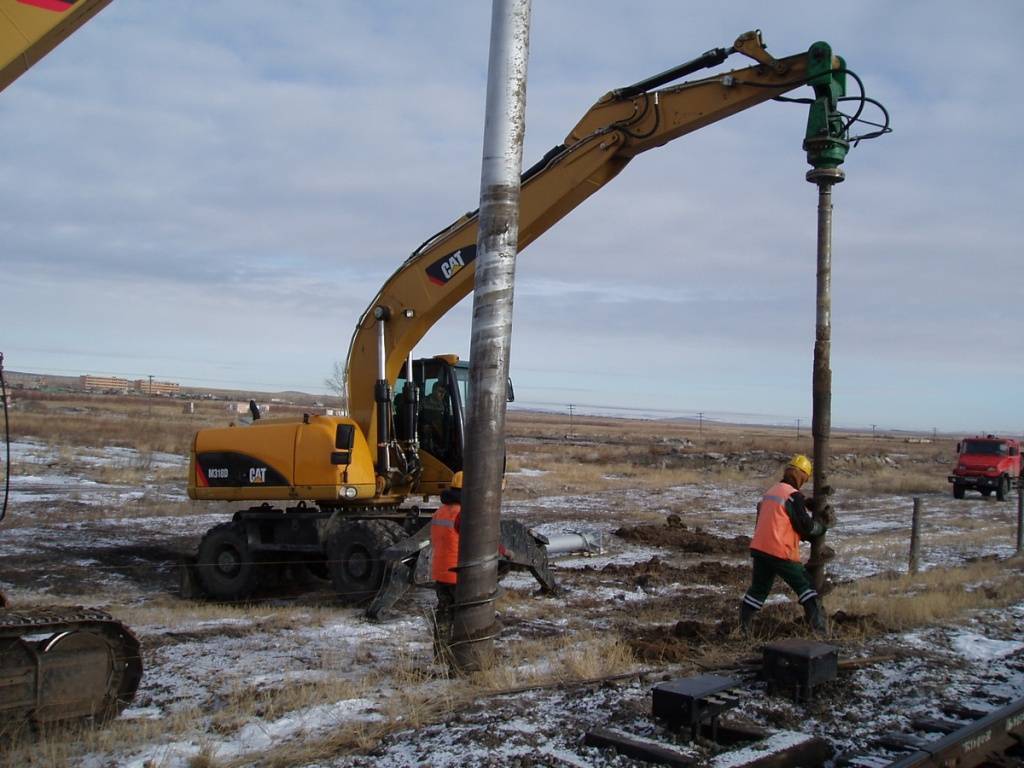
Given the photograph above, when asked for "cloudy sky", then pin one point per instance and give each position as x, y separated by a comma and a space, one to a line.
211, 192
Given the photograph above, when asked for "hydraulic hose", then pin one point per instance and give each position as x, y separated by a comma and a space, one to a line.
7, 441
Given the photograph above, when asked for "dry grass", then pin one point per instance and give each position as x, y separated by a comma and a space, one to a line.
935, 595
907, 480
408, 693
418, 696
601, 454
65, 746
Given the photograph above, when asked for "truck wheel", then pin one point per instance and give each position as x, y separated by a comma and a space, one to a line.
226, 569
958, 491
1003, 490
355, 557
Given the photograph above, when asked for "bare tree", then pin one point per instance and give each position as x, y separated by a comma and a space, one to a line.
336, 381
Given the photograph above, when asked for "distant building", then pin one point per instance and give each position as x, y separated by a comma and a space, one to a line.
103, 384
243, 408
147, 387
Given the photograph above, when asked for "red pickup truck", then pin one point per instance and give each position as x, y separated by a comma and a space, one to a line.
986, 463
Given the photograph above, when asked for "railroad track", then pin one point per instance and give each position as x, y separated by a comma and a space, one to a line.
975, 738
963, 737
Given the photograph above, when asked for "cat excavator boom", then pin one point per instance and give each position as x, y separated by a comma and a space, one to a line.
401, 435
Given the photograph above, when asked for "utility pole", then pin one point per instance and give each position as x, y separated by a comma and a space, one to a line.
151, 395
798, 429
700, 425
473, 626
571, 430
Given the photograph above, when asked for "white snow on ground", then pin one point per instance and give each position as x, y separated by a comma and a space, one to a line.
200, 662
62, 475
252, 738
774, 743
975, 647
29, 451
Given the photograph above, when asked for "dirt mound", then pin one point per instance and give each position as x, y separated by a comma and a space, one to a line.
656, 573
855, 624
680, 537
652, 573
714, 572
676, 644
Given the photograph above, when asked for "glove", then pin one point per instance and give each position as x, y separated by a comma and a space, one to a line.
827, 516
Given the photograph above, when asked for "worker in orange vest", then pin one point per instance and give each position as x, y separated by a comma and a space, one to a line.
784, 519
444, 557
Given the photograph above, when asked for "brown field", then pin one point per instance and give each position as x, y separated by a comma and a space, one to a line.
661, 601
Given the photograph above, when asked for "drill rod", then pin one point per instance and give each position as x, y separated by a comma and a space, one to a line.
821, 416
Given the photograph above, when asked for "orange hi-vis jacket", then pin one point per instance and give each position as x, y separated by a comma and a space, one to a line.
774, 534
444, 541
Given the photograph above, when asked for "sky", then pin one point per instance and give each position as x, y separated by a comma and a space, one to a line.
212, 192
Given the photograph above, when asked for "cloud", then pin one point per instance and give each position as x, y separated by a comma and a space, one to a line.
195, 191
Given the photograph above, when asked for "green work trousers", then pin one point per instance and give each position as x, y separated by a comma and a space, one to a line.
766, 568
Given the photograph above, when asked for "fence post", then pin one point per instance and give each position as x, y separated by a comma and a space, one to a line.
1020, 514
915, 535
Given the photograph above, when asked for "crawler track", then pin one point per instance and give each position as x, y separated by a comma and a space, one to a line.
59, 664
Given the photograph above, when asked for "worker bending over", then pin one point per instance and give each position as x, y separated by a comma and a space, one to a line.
783, 520
444, 544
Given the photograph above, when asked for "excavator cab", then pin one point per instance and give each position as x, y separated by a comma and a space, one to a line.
439, 386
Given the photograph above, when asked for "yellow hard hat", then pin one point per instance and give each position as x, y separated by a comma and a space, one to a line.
801, 462
457, 480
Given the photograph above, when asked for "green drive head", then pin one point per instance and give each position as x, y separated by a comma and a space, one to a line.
826, 139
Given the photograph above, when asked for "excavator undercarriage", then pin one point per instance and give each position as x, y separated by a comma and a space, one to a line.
370, 556
64, 664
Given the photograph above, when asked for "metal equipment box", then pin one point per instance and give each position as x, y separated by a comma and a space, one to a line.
691, 701
800, 665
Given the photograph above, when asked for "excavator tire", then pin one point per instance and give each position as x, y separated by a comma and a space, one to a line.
355, 557
64, 664
225, 566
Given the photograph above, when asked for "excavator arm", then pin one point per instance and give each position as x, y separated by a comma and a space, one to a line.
30, 29
622, 124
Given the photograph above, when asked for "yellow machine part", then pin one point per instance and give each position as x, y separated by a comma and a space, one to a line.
30, 29
321, 458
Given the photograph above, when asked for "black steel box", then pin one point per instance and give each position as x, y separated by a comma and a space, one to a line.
800, 665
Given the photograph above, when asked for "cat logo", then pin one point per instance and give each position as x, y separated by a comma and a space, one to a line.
449, 265
258, 475
453, 265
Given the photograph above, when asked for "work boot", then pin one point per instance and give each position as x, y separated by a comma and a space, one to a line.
816, 617
747, 612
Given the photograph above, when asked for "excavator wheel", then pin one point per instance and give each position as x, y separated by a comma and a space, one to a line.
355, 557
225, 566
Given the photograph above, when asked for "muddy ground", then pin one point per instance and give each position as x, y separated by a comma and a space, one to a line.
666, 587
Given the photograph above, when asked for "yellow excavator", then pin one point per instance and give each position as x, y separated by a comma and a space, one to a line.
332, 491
56, 664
